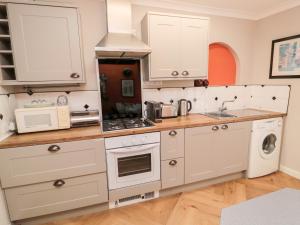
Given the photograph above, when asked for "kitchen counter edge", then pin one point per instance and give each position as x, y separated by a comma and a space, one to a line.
86, 133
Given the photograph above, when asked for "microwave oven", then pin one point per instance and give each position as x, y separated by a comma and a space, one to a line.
42, 119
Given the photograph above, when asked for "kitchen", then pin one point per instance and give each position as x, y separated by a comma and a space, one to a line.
90, 169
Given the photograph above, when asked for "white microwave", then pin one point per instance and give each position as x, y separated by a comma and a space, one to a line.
42, 119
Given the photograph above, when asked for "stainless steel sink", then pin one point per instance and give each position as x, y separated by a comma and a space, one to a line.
219, 115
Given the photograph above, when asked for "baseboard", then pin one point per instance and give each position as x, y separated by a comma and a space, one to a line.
289, 171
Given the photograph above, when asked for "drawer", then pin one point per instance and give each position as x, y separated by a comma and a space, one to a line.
172, 144
172, 173
45, 198
40, 163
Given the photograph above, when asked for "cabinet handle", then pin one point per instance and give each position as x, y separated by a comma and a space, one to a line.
215, 128
54, 148
224, 127
173, 163
185, 73
172, 133
74, 75
59, 183
175, 73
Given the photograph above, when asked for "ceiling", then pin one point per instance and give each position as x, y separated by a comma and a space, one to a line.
253, 9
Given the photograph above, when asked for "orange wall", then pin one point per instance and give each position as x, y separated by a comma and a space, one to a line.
222, 65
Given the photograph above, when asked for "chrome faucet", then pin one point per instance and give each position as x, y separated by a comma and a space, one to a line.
223, 107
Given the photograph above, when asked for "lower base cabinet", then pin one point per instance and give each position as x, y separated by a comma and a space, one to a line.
60, 195
172, 173
214, 151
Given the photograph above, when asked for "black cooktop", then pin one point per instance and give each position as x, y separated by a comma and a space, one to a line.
126, 123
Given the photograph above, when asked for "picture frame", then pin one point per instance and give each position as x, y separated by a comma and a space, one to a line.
285, 58
128, 88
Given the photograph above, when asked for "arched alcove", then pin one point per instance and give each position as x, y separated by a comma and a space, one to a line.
223, 66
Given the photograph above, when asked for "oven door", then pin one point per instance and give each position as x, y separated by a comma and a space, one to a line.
133, 165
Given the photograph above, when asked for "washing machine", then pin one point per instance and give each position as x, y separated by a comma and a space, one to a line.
265, 147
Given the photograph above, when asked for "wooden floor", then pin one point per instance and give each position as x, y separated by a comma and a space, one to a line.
200, 207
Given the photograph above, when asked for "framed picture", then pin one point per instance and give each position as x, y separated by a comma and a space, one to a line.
128, 88
285, 58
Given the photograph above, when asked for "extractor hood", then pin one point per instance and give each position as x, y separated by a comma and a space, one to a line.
120, 41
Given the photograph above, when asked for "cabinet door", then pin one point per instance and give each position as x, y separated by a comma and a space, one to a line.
46, 43
56, 196
172, 173
164, 41
40, 163
200, 153
172, 144
232, 148
194, 48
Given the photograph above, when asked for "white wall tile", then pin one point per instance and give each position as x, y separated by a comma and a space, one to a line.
203, 99
7, 106
76, 99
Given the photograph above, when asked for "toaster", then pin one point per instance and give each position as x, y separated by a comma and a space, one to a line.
168, 111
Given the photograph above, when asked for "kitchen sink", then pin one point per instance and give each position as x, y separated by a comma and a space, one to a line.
219, 115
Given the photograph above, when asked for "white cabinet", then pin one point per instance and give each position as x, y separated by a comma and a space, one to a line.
214, 151
45, 44
44, 179
172, 156
172, 173
194, 48
179, 46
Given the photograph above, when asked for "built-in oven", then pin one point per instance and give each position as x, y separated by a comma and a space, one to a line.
133, 160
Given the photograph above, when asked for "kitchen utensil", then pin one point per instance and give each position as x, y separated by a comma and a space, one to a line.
184, 106
168, 111
85, 118
153, 111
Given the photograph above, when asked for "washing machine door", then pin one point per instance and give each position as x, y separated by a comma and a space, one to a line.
268, 146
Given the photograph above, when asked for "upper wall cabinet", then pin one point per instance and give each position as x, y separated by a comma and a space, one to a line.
46, 45
179, 46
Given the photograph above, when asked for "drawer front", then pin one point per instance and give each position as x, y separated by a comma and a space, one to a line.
45, 198
40, 163
172, 173
172, 144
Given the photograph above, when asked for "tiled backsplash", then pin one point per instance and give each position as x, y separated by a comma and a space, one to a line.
76, 99
204, 99
210, 99
7, 106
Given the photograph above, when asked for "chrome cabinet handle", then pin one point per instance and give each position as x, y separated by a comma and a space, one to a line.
185, 73
215, 128
173, 133
54, 148
175, 73
173, 163
224, 127
59, 183
74, 75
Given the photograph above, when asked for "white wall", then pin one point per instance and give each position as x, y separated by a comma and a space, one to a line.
278, 26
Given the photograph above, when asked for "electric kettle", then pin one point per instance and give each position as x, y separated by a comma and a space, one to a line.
184, 107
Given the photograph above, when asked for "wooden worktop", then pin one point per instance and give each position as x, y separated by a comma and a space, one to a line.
85, 133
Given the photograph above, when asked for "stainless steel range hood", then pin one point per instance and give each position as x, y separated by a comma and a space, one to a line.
120, 41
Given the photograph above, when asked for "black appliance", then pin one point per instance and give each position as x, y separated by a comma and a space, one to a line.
154, 111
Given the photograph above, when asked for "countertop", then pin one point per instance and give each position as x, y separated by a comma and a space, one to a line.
85, 133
